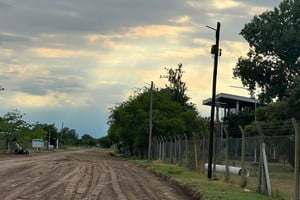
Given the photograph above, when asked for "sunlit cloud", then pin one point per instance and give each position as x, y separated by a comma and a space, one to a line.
53, 99
234, 49
55, 53
7, 52
256, 10
150, 31
181, 19
215, 4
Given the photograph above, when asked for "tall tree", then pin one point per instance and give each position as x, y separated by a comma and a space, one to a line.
273, 62
129, 121
88, 140
12, 124
176, 85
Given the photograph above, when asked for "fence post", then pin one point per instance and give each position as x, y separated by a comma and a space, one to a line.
179, 149
226, 154
175, 148
296, 165
203, 153
170, 149
156, 148
264, 179
196, 155
159, 147
243, 175
163, 147
186, 150
261, 182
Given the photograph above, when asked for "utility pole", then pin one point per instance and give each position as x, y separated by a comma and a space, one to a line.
215, 51
61, 132
49, 139
150, 122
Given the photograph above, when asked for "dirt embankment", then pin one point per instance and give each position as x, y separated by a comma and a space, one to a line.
88, 174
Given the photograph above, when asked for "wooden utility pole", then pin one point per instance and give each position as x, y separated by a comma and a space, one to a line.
61, 132
150, 122
215, 51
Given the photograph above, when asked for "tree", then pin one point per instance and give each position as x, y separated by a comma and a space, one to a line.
293, 100
172, 114
273, 62
177, 86
105, 142
69, 137
88, 140
241, 118
12, 124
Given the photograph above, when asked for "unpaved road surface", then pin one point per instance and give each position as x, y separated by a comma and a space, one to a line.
84, 174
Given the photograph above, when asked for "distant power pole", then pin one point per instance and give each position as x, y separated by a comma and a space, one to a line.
49, 139
215, 51
150, 122
61, 132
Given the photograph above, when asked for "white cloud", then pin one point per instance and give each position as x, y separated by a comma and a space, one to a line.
215, 4
181, 19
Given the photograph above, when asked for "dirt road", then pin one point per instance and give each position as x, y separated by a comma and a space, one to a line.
85, 174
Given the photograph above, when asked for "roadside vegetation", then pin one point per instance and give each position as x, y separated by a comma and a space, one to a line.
14, 127
217, 189
173, 114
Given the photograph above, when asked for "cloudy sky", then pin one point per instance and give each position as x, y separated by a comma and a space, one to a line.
70, 60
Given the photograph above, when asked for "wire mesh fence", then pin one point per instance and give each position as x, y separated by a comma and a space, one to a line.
242, 158
2, 145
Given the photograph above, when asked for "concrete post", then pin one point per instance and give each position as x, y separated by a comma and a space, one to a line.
243, 177
226, 177
296, 165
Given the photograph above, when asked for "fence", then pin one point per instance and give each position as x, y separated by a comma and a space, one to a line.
260, 159
2, 145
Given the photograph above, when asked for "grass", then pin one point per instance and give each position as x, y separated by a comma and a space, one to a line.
281, 177
216, 189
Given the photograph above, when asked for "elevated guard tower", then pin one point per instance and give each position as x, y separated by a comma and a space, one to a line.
232, 103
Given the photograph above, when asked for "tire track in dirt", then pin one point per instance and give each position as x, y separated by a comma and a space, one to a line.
32, 178
74, 182
36, 181
88, 174
58, 186
83, 187
115, 185
134, 176
99, 182
150, 189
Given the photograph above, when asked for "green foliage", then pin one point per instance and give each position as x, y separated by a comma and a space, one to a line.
177, 86
12, 126
293, 100
69, 137
272, 63
105, 142
129, 121
274, 111
88, 141
242, 118
286, 109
